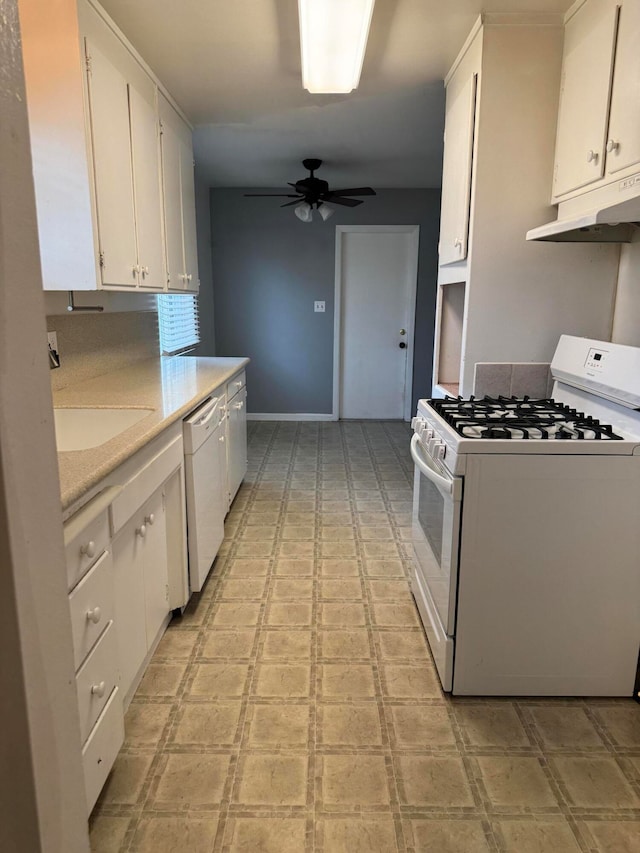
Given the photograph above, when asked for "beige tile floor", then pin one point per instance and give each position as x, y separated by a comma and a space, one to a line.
295, 706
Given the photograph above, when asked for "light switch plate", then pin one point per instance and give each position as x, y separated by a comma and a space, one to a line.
52, 338
318, 306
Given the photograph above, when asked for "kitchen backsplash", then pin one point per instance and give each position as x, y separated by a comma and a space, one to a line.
519, 379
92, 344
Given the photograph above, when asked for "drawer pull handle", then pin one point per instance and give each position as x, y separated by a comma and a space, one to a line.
149, 519
141, 531
94, 615
98, 689
89, 550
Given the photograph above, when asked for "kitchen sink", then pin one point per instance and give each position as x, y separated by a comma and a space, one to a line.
81, 429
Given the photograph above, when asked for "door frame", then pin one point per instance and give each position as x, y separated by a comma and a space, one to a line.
341, 230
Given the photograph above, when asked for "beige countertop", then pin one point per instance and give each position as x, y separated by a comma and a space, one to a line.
171, 387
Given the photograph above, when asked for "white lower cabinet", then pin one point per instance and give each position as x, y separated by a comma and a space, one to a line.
129, 604
119, 548
102, 747
96, 680
236, 441
141, 569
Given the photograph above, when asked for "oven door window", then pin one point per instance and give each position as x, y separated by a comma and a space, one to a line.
436, 533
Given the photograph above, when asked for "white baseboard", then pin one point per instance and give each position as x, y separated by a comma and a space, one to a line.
288, 416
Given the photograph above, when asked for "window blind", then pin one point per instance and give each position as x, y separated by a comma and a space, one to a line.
178, 322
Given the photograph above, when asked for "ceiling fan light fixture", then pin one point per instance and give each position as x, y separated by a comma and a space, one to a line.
325, 211
333, 40
303, 211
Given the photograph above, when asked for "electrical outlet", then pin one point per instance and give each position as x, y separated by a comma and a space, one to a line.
318, 306
52, 338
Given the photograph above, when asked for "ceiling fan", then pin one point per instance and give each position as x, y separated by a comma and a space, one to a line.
313, 193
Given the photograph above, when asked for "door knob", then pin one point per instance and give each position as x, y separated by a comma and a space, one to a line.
402, 345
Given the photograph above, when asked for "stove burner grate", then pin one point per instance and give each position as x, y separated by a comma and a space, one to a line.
520, 418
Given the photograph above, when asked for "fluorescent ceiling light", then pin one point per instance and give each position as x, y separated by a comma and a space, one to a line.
333, 39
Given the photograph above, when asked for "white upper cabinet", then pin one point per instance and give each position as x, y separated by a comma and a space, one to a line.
456, 167
588, 57
145, 149
110, 133
187, 185
623, 138
179, 201
95, 134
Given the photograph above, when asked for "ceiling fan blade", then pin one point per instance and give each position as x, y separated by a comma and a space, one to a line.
271, 195
289, 203
347, 202
353, 191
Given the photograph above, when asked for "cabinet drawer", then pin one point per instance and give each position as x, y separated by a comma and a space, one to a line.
84, 543
101, 749
91, 607
145, 482
96, 679
236, 384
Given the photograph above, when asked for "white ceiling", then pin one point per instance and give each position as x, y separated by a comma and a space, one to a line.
234, 67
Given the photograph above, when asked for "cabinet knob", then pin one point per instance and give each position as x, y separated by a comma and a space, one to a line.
94, 615
149, 519
189, 277
145, 271
612, 145
136, 269
239, 406
221, 439
592, 156
89, 550
98, 689
141, 531
457, 243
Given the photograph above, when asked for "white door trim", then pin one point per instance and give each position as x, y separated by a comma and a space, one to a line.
414, 230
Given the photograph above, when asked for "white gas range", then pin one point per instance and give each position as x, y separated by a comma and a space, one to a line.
526, 531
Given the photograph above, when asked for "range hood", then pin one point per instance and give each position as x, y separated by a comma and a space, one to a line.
612, 221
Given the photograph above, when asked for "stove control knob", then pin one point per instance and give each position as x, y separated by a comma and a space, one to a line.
441, 451
432, 443
427, 433
414, 423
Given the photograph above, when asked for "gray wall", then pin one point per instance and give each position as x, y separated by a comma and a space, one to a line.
268, 268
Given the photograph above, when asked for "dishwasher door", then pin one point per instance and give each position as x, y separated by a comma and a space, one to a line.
205, 481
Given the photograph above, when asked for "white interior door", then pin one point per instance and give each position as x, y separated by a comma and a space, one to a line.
376, 271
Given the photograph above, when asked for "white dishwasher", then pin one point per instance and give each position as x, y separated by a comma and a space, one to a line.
204, 436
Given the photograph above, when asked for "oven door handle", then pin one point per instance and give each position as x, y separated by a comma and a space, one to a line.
430, 473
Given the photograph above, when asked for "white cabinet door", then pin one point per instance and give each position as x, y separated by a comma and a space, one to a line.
189, 217
109, 114
623, 139
141, 579
148, 197
171, 161
130, 607
456, 169
155, 569
589, 47
237, 442
223, 443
